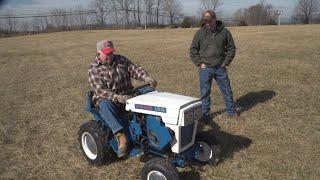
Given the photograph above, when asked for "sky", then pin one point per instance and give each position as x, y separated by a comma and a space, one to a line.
190, 7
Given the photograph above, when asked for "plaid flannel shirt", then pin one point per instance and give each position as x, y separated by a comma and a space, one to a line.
109, 80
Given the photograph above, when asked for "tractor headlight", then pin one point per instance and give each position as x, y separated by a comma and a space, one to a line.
192, 114
188, 116
197, 113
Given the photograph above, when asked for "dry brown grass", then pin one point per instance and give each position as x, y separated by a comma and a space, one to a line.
43, 79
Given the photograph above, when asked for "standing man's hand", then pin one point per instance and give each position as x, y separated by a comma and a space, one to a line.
223, 65
203, 66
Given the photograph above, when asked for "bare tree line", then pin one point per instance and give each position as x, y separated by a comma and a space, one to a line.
99, 15
305, 10
213, 5
114, 14
9, 23
102, 14
259, 14
265, 14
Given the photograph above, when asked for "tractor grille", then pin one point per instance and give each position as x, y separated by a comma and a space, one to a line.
186, 134
192, 114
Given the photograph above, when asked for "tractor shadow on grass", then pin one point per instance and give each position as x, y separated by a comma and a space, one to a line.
193, 174
248, 101
229, 144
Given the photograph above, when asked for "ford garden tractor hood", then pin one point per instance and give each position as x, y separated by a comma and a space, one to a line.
160, 104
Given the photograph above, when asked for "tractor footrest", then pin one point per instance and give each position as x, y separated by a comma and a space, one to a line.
136, 152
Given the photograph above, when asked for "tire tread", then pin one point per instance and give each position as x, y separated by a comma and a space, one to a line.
163, 165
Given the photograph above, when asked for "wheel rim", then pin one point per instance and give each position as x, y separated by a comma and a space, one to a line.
156, 175
89, 145
205, 153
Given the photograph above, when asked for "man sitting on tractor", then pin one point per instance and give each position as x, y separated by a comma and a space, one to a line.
110, 78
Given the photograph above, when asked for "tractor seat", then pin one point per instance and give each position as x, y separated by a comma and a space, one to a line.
94, 110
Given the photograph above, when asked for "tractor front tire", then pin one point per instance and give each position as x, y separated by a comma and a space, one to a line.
159, 168
93, 139
211, 145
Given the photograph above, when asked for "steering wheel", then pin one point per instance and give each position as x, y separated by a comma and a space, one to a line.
135, 91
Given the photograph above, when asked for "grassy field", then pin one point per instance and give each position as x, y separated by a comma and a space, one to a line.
275, 78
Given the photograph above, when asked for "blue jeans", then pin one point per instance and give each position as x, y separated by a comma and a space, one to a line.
111, 112
221, 76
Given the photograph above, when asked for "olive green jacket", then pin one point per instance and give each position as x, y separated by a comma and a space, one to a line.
213, 47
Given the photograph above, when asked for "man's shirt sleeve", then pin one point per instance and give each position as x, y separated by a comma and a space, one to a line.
136, 71
98, 87
194, 50
230, 49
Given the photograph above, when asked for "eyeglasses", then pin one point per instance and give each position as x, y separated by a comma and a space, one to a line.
208, 21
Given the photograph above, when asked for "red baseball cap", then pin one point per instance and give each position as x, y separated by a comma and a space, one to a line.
107, 50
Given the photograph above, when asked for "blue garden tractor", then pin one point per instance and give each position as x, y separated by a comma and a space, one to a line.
160, 124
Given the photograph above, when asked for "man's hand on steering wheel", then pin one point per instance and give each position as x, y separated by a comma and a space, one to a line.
151, 81
122, 98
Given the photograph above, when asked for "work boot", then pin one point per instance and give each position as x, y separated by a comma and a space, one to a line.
206, 119
122, 144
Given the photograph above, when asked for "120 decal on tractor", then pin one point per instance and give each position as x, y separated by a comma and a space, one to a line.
160, 124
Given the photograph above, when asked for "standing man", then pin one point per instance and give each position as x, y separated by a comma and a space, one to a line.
110, 79
212, 50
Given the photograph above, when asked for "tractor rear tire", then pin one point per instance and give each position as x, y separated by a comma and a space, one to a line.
211, 142
159, 168
93, 139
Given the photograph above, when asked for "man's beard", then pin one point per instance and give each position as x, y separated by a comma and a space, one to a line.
107, 62
210, 25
